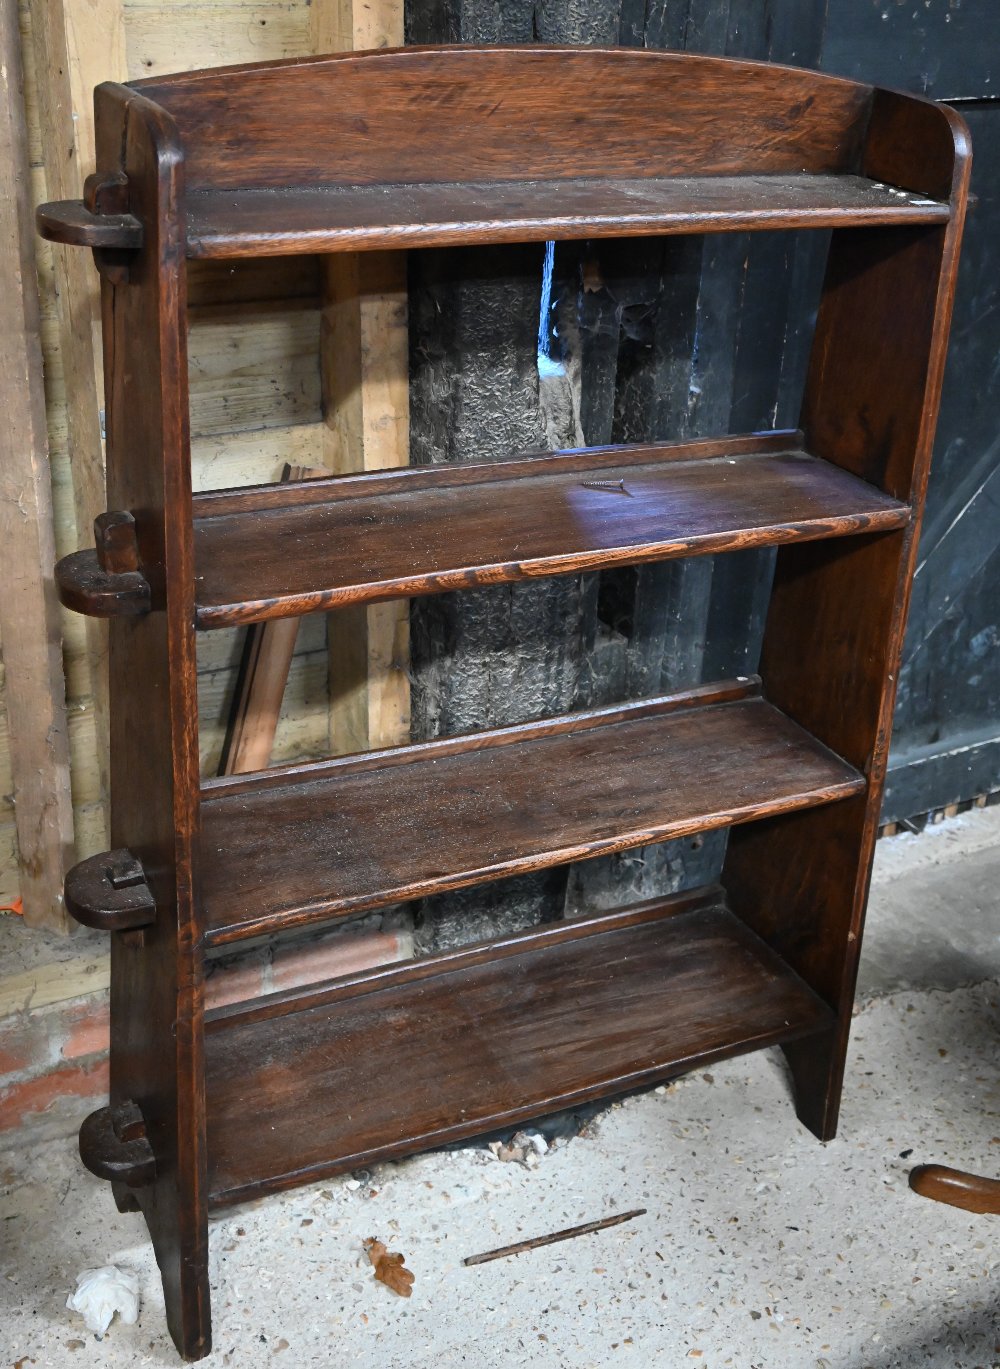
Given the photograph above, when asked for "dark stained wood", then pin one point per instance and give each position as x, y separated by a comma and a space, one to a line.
72, 223
114, 1145
527, 465
869, 281
109, 892
901, 283
156, 986
107, 582
957, 1188
363, 538
423, 115
483, 1038
106, 192
288, 847
86, 587
117, 547
460, 145
918, 144
247, 223
834, 634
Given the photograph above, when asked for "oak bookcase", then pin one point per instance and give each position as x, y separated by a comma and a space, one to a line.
438, 146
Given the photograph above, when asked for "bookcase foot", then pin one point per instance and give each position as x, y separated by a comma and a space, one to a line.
114, 1145
817, 1067
189, 1316
178, 1225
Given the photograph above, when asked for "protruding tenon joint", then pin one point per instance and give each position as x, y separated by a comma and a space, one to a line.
109, 892
101, 220
117, 547
114, 1145
107, 582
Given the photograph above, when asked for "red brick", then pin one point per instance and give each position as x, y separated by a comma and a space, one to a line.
88, 1030
19, 1102
234, 984
342, 955
24, 1043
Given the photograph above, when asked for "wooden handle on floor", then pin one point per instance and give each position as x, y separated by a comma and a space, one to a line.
956, 1187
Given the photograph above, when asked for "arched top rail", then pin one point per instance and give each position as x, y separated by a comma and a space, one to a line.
426, 115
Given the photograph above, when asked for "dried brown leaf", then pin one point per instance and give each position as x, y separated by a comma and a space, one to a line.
389, 1267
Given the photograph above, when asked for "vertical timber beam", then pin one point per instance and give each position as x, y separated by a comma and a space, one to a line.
365, 379
77, 44
834, 632
29, 609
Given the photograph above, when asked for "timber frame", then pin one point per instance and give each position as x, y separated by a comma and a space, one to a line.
449, 146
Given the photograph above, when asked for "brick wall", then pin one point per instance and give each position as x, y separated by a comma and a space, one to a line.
54, 1025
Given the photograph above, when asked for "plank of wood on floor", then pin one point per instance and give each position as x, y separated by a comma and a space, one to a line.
263, 677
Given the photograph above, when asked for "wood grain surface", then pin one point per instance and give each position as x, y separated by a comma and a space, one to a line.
837, 617
356, 540
70, 222
34, 693
484, 1038
289, 847
577, 1010
246, 223
156, 988
417, 115
957, 1188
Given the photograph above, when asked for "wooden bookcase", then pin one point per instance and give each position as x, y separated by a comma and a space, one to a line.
421, 147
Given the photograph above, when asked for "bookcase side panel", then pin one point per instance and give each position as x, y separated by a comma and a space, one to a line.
156, 977
834, 632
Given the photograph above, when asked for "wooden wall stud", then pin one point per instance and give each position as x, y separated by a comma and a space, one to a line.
34, 691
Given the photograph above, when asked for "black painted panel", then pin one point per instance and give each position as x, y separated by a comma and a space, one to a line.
942, 48
691, 337
949, 688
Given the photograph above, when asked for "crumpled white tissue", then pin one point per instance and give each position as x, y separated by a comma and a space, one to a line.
100, 1293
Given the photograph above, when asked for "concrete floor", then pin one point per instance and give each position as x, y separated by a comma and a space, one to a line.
760, 1248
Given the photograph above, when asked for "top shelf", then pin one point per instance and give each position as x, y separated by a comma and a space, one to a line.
444, 146
275, 222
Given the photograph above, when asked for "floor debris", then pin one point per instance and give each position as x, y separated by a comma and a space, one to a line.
389, 1267
100, 1293
534, 1242
524, 1147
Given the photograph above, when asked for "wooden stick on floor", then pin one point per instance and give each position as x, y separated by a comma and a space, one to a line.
263, 675
565, 1235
